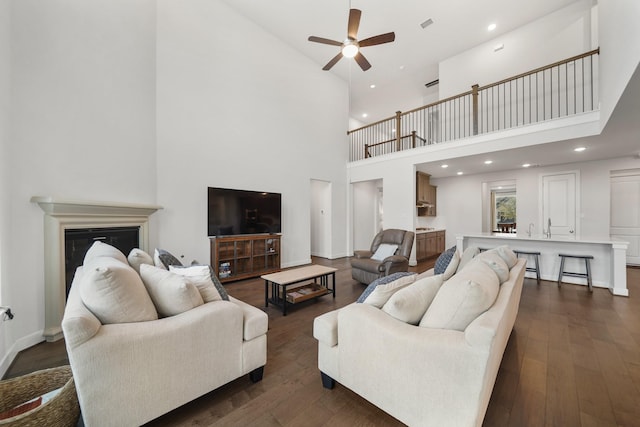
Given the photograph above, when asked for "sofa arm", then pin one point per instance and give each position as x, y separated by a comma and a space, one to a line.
325, 328
256, 321
392, 264
78, 324
362, 254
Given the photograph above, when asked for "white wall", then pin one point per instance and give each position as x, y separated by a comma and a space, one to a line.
320, 218
559, 35
82, 126
460, 198
5, 35
365, 215
262, 118
619, 50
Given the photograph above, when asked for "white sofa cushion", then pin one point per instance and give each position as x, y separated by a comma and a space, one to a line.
497, 264
170, 292
452, 267
506, 254
380, 290
99, 249
463, 298
137, 257
411, 302
200, 277
467, 256
114, 292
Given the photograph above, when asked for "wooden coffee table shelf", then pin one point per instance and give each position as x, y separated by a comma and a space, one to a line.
287, 287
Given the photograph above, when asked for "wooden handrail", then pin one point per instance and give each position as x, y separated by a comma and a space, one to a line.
537, 70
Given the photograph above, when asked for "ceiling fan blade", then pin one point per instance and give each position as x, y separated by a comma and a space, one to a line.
354, 23
379, 39
332, 62
324, 41
362, 61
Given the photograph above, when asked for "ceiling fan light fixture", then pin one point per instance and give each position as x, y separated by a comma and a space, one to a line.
350, 49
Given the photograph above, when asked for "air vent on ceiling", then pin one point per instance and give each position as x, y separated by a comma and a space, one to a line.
433, 83
426, 23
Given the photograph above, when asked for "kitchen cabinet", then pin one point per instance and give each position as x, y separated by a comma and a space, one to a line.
429, 244
426, 195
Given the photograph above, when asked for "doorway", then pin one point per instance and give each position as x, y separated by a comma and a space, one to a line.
625, 211
320, 218
559, 203
368, 212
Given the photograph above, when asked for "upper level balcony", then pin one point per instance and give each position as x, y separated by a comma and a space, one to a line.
564, 89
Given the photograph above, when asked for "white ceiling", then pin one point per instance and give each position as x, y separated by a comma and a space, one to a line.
458, 26
401, 69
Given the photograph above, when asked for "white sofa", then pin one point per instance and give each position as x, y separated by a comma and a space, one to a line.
422, 376
127, 374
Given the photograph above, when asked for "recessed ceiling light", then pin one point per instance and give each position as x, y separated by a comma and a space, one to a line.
579, 149
402, 67
488, 162
491, 27
498, 47
526, 165
372, 86
460, 173
444, 166
364, 114
500, 188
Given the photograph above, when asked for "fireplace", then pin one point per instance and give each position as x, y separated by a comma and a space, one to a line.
84, 218
78, 240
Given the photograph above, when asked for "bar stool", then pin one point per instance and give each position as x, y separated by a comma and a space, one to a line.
536, 258
586, 275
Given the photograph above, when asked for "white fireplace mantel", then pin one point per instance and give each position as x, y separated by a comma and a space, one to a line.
63, 214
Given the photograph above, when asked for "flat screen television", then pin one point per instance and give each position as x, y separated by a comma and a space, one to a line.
232, 212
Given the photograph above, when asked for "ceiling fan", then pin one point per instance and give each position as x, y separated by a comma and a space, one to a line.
351, 46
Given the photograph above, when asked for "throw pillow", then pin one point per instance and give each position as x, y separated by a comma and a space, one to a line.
137, 257
170, 292
384, 250
380, 290
497, 264
411, 302
463, 298
99, 249
114, 292
165, 259
452, 267
443, 260
506, 254
200, 277
467, 255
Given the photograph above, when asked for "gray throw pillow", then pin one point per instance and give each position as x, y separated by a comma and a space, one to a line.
381, 281
443, 261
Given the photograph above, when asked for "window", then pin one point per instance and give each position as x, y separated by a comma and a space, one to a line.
503, 203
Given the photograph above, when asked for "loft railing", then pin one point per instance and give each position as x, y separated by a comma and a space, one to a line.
561, 89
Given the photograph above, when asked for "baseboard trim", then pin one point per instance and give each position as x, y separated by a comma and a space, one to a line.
21, 344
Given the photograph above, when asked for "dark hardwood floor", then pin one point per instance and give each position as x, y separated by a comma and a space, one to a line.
573, 359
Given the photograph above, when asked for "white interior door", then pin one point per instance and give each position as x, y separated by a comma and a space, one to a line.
559, 203
625, 212
320, 218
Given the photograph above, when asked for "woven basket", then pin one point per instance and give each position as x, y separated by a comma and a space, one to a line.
62, 410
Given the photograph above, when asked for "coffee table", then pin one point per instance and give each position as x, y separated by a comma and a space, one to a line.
294, 280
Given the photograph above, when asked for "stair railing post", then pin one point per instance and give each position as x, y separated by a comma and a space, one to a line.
398, 132
366, 151
413, 138
474, 96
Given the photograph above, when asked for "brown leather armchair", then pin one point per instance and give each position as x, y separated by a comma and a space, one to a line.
365, 270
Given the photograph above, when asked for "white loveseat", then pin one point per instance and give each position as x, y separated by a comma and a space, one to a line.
127, 374
420, 375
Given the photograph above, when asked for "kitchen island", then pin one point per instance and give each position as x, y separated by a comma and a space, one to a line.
608, 267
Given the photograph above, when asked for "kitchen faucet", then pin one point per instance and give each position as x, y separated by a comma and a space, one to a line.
549, 228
